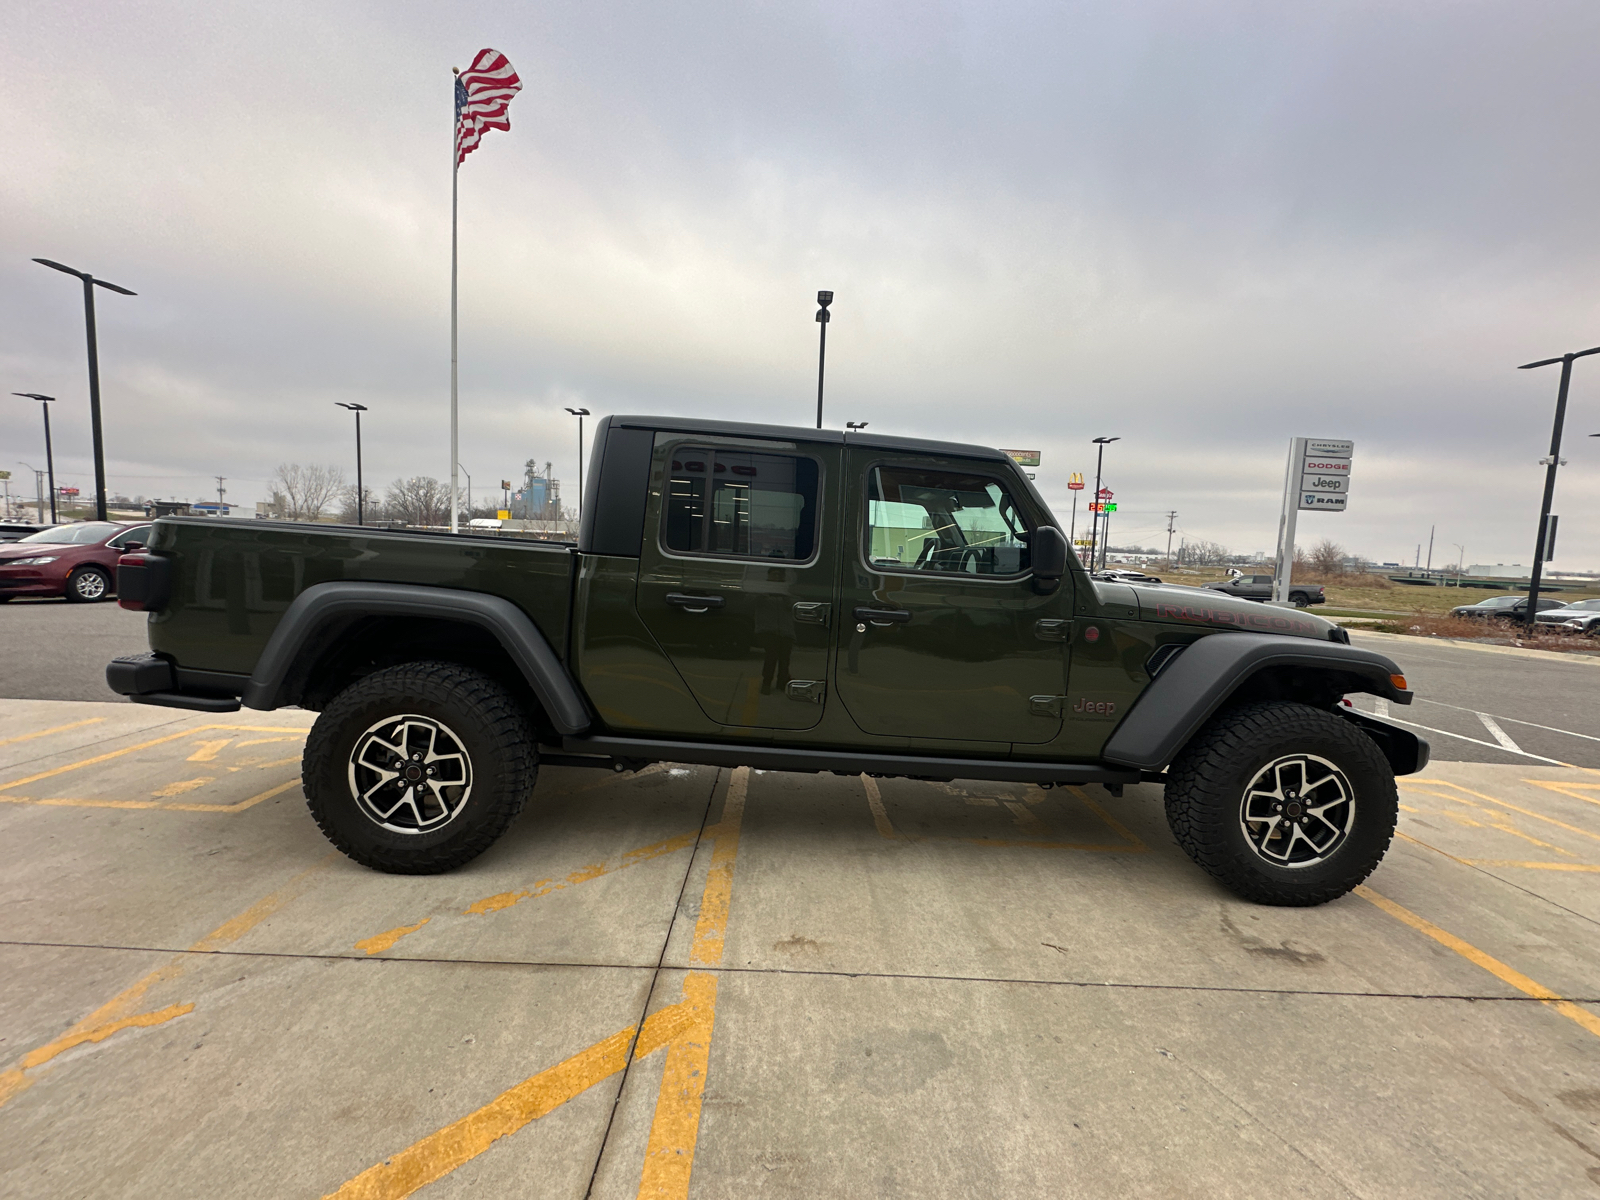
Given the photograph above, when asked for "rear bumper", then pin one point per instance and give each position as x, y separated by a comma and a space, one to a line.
149, 679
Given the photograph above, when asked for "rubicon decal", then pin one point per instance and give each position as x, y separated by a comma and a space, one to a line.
1266, 622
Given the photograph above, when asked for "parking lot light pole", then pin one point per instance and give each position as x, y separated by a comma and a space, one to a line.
855, 425
468, 474
89, 285
1099, 459
580, 413
823, 317
1551, 464
49, 454
361, 495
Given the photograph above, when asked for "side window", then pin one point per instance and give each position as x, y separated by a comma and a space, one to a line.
944, 521
139, 533
740, 504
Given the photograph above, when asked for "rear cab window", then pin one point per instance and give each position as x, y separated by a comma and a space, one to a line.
740, 504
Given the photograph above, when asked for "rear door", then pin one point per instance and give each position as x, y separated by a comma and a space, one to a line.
736, 579
941, 633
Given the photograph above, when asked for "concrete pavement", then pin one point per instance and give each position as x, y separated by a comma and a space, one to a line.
713, 983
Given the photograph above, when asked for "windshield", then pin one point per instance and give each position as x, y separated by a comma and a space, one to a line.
1585, 605
1498, 602
72, 535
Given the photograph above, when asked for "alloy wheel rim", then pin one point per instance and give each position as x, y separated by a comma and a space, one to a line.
91, 585
410, 774
1297, 811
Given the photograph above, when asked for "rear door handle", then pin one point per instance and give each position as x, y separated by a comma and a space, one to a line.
694, 604
883, 616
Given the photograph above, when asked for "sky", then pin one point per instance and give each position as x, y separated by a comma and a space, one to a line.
1202, 228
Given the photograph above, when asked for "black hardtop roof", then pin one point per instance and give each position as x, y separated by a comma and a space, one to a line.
791, 433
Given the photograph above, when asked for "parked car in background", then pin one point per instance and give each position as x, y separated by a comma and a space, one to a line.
75, 561
1588, 624
1576, 610
1124, 575
1502, 608
1259, 587
11, 531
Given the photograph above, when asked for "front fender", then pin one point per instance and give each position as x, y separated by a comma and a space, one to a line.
1199, 681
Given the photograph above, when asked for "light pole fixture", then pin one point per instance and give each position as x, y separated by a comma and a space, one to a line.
580, 413
1099, 509
855, 424
823, 299
1545, 538
49, 454
361, 494
89, 285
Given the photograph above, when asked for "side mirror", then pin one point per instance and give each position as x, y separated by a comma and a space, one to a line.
1049, 551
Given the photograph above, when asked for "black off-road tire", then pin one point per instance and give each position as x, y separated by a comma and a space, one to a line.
485, 721
1300, 600
83, 580
1206, 791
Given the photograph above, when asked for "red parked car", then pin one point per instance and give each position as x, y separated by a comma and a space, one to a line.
75, 561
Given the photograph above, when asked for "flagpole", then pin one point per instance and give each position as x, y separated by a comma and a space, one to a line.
455, 174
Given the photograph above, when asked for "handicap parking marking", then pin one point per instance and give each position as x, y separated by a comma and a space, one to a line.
683, 1029
209, 751
1025, 816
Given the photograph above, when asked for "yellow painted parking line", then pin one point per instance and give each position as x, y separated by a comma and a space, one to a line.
28, 737
1532, 866
880, 815
112, 1016
380, 942
683, 1029
544, 887
718, 895
1574, 790
157, 805
208, 750
171, 737
1494, 966
1527, 812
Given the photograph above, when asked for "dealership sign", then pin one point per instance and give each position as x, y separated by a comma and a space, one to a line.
1324, 470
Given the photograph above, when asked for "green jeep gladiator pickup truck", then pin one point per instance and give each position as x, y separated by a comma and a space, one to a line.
788, 599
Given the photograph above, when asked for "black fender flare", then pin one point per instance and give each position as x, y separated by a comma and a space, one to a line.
1196, 683
322, 610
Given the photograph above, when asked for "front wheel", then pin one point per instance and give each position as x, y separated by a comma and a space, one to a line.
1283, 803
417, 769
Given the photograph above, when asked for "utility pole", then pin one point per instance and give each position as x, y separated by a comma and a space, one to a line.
221, 492
1171, 517
1551, 463
1431, 528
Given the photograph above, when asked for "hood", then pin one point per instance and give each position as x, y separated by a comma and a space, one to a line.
31, 549
1178, 605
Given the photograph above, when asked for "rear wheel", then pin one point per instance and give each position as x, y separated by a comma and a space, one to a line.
417, 769
1300, 600
1283, 803
88, 584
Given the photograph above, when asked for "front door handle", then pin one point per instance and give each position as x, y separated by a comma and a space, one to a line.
883, 616
694, 604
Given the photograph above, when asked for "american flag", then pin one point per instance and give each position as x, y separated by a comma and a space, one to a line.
483, 94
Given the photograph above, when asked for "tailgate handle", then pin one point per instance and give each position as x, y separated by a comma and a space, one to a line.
694, 604
883, 616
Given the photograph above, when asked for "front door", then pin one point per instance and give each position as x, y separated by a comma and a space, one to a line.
941, 632
736, 579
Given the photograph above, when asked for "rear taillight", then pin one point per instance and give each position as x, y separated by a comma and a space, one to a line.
144, 582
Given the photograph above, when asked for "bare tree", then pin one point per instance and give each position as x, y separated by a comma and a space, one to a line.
302, 493
348, 512
420, 500
1327, 557
1203, 554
